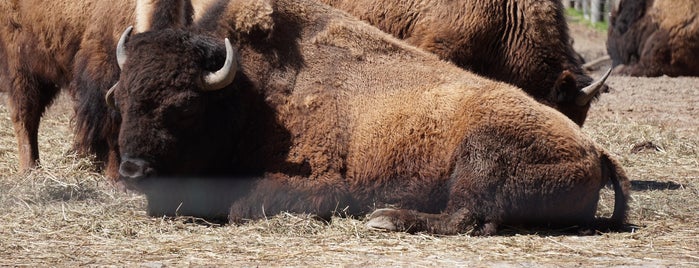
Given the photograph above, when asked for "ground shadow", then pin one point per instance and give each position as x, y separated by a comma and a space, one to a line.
569, 231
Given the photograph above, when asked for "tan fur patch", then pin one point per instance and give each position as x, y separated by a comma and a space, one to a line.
673, 14
144, 15
353, 36
251, 15
200, 6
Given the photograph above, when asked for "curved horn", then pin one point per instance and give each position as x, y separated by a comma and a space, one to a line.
586, 94
121, 49
109, 97
223, 77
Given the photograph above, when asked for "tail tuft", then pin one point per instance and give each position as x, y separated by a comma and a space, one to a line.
622, 186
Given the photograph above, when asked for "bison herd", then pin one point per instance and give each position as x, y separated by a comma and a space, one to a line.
655, 37
234, 110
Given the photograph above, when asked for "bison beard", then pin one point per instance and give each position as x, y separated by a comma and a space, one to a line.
327, 113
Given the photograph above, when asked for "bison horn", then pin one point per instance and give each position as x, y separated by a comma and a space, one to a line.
121, 49
109, 97
589, 92
223, 77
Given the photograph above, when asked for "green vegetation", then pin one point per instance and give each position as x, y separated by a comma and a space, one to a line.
576, 16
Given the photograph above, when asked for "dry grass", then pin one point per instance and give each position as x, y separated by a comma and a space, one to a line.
65, 214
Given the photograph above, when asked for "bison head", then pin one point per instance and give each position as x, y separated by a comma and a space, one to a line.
572, 97
174, 88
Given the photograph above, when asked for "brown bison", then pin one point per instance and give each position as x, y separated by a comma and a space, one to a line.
524, 43
45, 46
309, 110
655, 37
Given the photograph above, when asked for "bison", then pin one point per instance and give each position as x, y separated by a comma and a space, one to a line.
654, 38
46, 46
309, 110
524, 43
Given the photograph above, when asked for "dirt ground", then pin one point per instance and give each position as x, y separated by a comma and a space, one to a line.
64, 214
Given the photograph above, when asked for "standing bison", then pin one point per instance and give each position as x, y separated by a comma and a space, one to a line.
46, 46
523, 42
655, 37
311, 111
37, 45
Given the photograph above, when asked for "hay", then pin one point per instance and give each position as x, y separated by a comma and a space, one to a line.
65, 214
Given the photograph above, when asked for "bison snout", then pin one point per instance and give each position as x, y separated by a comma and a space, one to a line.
135, 169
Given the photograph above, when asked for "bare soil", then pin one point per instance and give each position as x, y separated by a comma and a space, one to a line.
64, 214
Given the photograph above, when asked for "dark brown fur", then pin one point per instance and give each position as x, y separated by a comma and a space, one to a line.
524, 43
45, 46
328, 114
654, 38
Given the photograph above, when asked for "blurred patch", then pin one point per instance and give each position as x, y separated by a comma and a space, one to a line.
655, 185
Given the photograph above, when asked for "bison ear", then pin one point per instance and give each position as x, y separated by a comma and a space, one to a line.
565, 89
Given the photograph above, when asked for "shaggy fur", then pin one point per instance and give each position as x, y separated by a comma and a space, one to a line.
45, 46
524, 43
655, 37
328, 114
38, 40
172, 13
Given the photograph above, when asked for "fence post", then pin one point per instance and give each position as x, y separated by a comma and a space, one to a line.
592, 10
596, 11
568, 3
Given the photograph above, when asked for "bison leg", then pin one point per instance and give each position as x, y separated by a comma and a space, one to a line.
277, 193
96, 125
654, 57
27, 102
403, 220
112, 167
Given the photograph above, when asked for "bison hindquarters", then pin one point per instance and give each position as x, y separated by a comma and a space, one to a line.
527, 187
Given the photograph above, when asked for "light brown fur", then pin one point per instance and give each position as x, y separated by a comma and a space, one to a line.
329, 113
524, 43
38, 40
45, 46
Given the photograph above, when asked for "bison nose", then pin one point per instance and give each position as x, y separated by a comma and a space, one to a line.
134, 169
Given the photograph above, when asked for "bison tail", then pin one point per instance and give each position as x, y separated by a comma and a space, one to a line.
621, 185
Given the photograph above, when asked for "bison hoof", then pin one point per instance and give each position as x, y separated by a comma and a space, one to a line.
382, 219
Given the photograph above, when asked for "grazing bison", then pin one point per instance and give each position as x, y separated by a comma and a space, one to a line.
309, 110
37, 43
655, 37
524, 43
45, 46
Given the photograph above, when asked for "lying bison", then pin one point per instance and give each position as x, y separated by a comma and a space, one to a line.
45, 46
524, 43
311, 111
655, 37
